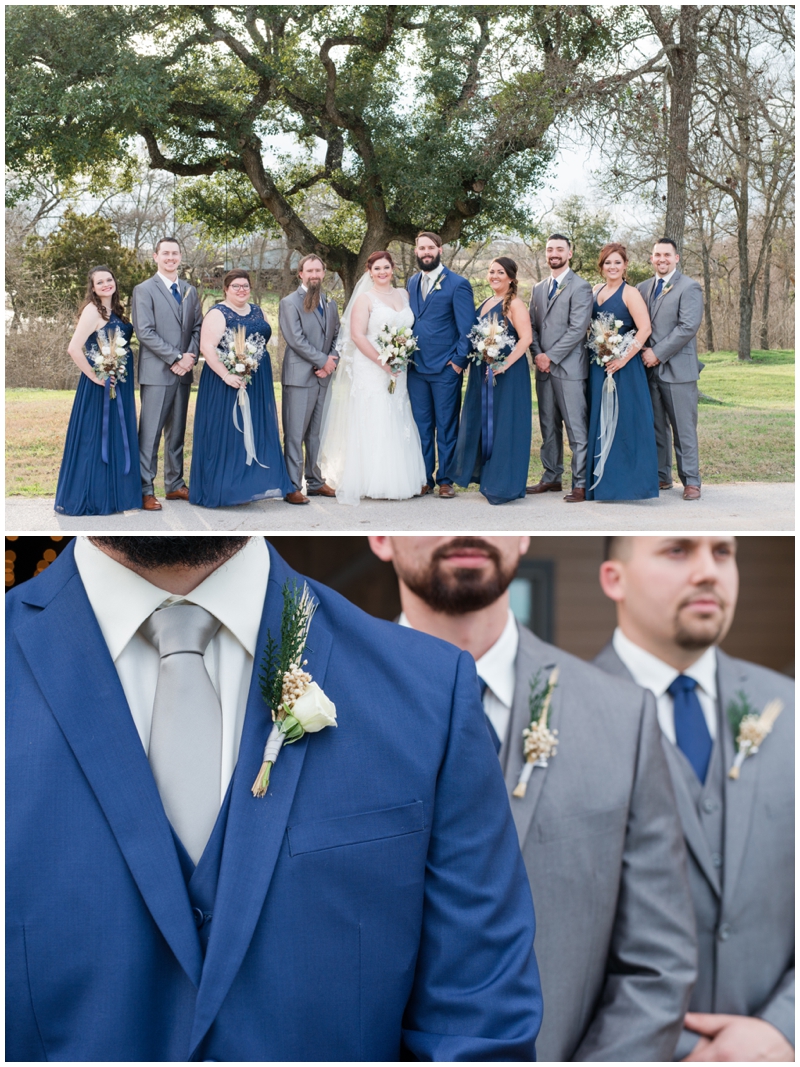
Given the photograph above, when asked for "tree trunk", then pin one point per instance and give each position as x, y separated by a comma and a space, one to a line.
705, 253
764, 341
745, 292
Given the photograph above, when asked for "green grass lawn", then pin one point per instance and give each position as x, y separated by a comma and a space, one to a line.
746, 426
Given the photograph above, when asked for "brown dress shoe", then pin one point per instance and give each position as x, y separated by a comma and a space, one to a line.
544, 487
324, 490
179, 494
296, 498
691, 492
425, 490
665, 485
575, 496
149, 503
447, 492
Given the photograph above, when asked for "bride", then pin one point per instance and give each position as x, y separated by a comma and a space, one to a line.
370, 443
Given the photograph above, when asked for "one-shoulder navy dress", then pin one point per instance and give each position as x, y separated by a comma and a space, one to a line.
99, 472
220, 475
495, 452
631, 470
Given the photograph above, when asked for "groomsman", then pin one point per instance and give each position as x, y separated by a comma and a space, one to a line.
675, 600
561, 310
675, 303
166, 317
310, 325
597, 825
444, 314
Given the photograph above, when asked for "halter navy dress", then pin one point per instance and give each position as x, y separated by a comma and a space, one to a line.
220, 476
99, 472
631, 470
503, 473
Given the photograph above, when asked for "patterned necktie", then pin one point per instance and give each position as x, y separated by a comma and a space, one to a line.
492, 732
553, 287
186, 734
175, 292
658, 288
691, 731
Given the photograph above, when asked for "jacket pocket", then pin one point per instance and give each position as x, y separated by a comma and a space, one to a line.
356, 829
585, 824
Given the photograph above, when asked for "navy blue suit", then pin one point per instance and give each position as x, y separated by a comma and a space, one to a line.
441, 325
373, 905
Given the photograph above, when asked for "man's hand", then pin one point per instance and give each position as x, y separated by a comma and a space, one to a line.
649, 358
329, 367
455, 367
736, 1037
183, 365
542, 361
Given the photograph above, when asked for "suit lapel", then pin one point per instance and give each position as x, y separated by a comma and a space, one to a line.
655, 305
414, 289
425, 304
256, 827
556, 294
80, 683
168, 298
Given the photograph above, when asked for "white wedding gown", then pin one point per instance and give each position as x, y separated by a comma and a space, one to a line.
370, 443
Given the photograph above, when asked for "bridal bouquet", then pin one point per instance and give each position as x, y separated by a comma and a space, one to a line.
490, 342
395, 345
240, 354
605, 341
110, 360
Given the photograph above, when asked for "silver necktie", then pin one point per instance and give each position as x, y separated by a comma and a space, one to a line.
426, 284
186, 734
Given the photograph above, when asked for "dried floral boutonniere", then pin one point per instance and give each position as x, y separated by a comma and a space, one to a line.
298, 705
538, 742
666, 289
750, 728
559, 289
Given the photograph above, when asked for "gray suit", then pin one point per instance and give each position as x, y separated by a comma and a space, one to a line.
165, 330
601, 841
675, 318
559, 330
740, 839
309, 341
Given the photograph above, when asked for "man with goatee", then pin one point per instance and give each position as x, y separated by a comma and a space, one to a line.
596, 820
161, 908
675, 599
309, 323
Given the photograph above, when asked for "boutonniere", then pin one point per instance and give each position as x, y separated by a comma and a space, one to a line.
297, 703
666, 289
538, 742
750, 728
559, 289
437, 285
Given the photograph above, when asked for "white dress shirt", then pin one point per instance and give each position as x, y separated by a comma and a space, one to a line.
497, 668
169, 284
234, 593
432, 275
652, 673
559, 278
666, 278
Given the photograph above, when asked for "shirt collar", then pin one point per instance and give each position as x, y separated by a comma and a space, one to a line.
654, 674
122, 600
167, 282
496, 666
559, 278
434, 274
667, 277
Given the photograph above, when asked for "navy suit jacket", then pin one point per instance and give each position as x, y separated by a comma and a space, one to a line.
442, 322
372, 905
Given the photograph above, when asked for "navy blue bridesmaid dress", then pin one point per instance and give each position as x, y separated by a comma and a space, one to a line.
99, 472
494, 437
220, 476
631, 470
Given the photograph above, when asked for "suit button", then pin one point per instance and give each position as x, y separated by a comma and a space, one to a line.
716, 859
709, 806
199, 918
724, 931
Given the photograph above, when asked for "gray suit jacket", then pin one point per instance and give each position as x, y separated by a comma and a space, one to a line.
165, 329
560, 325
745, 920
309, 341
675, 319
602, 845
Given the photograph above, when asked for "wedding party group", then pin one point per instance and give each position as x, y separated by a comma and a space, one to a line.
371, 406
251, 822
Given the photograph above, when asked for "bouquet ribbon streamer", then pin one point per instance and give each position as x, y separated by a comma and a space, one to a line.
243, 401
106, 418
487, 413
609, 413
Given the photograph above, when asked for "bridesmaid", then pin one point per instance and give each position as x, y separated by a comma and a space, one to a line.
494, 438
631, 468
99, 472
220, 474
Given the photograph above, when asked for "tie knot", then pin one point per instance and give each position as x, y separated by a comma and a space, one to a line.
682, 684
180, 628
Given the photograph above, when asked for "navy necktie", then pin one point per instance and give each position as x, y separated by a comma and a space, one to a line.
175, 292
691, 731
321, 310
553, 287
492, 732
658, 288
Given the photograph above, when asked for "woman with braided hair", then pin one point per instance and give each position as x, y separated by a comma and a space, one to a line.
494, 438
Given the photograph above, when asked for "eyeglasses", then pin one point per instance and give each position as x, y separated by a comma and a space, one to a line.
240, 288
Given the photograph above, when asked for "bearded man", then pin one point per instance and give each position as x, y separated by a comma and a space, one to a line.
675, 599
596, 820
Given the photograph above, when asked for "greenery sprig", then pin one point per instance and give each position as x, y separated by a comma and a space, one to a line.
280, 656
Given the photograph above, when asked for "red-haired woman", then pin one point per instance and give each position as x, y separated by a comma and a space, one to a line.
100, 469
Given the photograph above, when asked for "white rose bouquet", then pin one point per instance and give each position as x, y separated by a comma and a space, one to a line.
490, 342
605, 341
297, 703
395, 346
240, 354
110, 360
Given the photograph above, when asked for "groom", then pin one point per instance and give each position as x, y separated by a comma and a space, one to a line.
369, 907
444, 313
